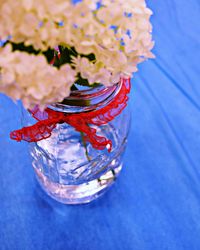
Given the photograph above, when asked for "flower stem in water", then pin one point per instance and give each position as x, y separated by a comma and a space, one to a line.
85, 146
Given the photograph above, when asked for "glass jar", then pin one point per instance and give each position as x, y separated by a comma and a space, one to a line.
67, 166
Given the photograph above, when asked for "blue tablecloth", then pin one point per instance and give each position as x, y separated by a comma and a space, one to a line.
155, 204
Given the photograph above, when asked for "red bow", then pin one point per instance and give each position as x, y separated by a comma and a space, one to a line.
48, 119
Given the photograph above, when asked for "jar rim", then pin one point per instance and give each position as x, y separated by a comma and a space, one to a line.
87, 100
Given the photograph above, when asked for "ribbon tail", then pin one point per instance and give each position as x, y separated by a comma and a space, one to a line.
48, 119
37, 132
98, 142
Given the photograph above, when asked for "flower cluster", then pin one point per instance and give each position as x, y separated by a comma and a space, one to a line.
30, 78
116, 32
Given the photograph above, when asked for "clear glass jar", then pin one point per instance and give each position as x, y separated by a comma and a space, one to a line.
67, 167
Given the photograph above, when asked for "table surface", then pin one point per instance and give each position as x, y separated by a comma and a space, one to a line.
155, 204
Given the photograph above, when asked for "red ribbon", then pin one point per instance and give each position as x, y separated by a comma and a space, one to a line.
48, 119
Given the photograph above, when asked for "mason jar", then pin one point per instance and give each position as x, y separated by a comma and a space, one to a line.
69, 166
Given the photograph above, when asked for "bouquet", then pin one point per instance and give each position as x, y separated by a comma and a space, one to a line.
50, 50
48, 47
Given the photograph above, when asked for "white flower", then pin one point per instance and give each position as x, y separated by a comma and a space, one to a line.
118, 33
32, 79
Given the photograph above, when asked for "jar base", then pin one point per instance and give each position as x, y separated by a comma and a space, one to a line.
78, 194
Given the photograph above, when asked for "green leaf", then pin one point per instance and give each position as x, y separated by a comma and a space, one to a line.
84, 82
21, 47
65, 55
91, 57
81, 81
49, 54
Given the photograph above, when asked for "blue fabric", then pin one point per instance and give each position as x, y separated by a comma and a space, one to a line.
155, 204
